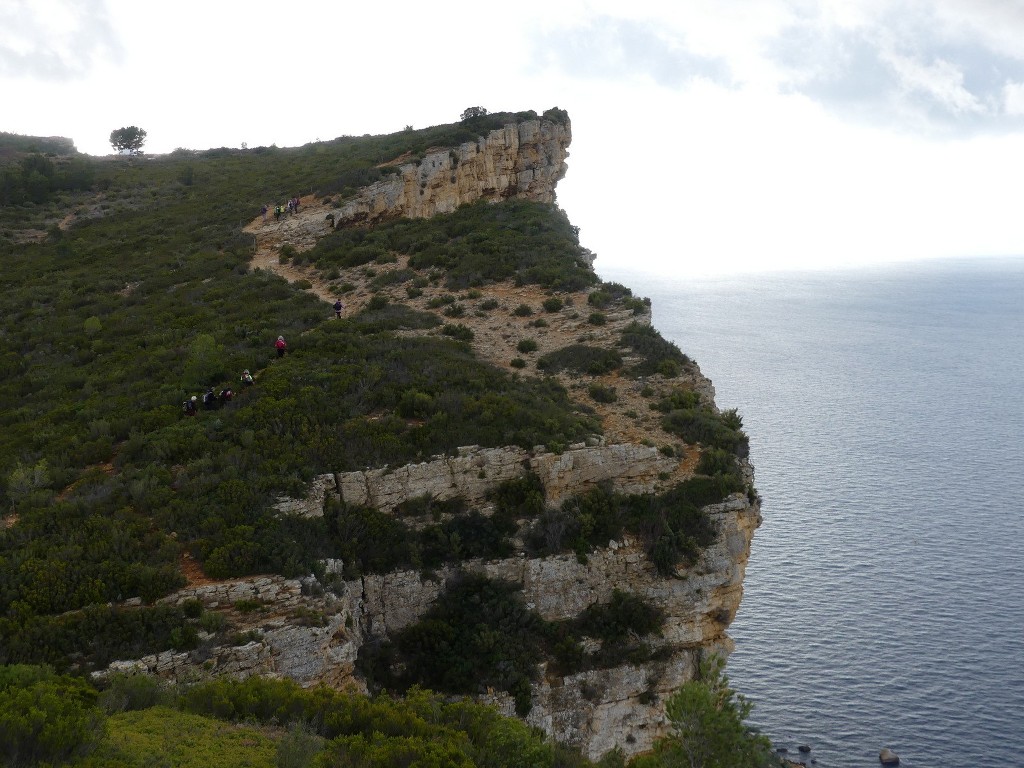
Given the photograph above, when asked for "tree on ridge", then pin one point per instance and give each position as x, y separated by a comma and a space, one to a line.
129, 138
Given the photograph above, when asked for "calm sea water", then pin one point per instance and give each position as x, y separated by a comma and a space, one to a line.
884, 597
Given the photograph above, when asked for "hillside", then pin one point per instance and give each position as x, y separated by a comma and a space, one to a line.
489, 477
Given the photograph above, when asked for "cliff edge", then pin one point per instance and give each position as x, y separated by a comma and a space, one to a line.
619, 622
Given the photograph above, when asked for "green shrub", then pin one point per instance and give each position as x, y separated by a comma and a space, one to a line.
125, 692
637, 306
708, 728
436, 302
46, 718
704, 426
523, 310
460, 332
489, 304
671, 525
298, 747
718, 461
553, 304
478, 634
603, 394
677, 400
597, 318
582, 359
659, 355
526, 345
517, 362
377, 301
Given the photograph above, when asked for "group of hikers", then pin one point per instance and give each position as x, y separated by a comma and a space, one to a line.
212, 399
279, 210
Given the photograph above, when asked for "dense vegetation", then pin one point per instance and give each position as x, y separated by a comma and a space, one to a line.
476, 244
57, 719
143, 298
134, 721
481, 635
146, 300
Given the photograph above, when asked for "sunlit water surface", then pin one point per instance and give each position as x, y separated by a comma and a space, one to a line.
884, 597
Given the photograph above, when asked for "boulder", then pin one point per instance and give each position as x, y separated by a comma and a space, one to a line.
888, 757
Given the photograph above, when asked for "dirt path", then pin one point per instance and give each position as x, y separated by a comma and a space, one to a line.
300, 230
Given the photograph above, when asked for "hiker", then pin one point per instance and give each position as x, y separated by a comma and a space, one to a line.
338, 306
296, 203
189, 406
264, 210
210, 400
246, 378
281, 346
277, 213
225, 396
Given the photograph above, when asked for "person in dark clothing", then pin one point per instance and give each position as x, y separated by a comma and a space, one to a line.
338, 307
281, 346
189, 406
210, 400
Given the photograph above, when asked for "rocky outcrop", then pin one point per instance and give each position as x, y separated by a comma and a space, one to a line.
312, 632
475, 472
523, 160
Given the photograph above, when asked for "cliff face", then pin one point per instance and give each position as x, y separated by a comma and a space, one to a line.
312, 629
523, 160
310, 633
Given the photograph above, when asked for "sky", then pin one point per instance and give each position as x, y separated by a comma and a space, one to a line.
709, 136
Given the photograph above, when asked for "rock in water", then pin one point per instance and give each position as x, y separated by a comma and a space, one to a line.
888, 757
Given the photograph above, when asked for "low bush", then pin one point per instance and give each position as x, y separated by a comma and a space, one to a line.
46, 718
460, 332
581, 359
704, 426
658, 355
671, 525
603, 394
526, 345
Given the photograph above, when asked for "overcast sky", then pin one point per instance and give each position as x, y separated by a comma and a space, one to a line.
708, 135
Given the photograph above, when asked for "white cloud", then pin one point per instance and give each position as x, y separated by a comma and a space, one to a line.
1013, 98
54, 39
941, 81
707, 135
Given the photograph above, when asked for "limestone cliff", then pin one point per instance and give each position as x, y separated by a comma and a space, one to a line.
312, 629
523, 160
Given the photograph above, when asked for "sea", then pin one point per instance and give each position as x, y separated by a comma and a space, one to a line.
884, 596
